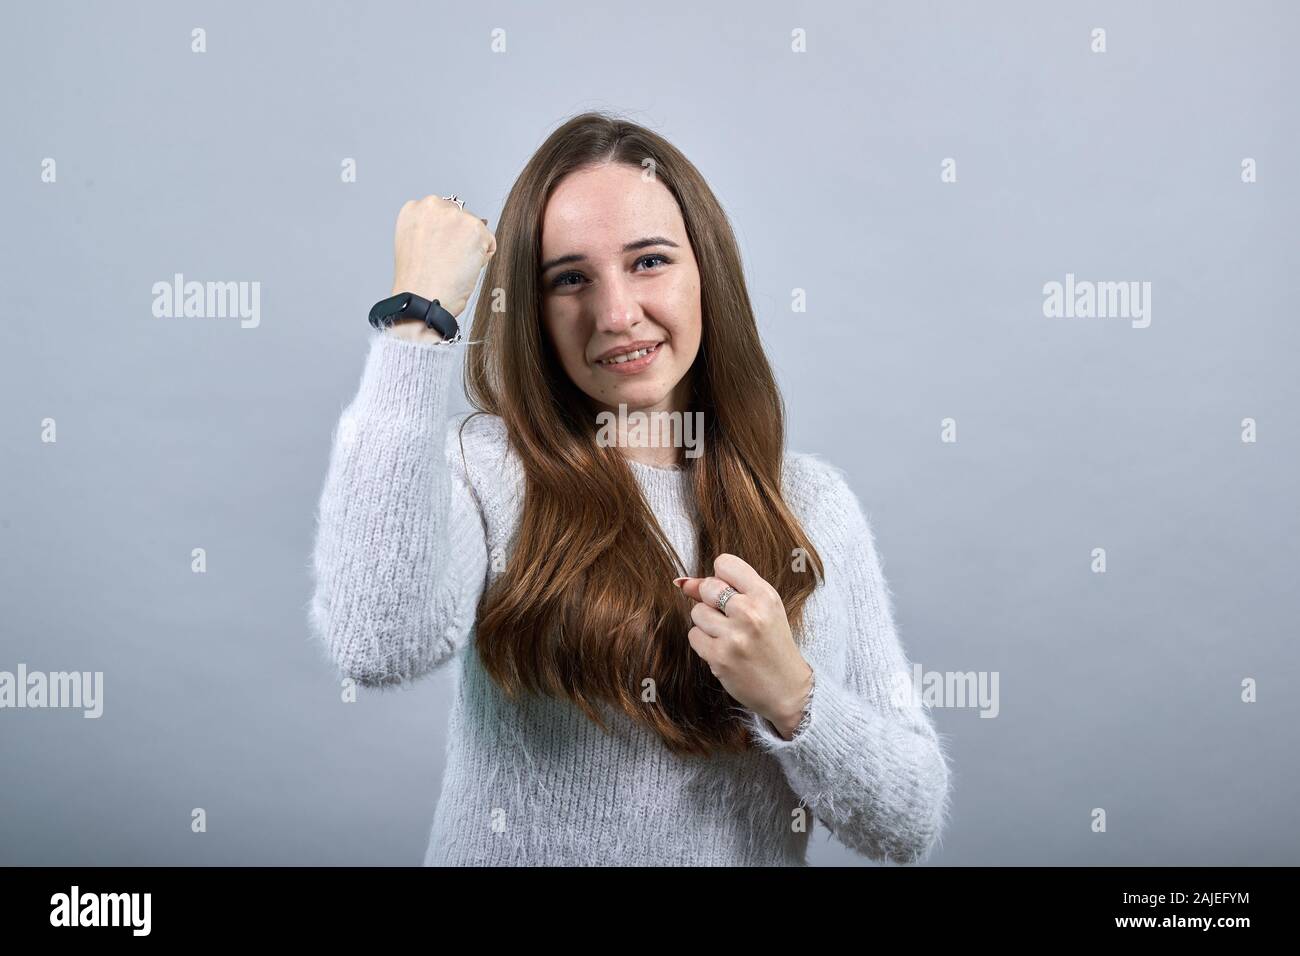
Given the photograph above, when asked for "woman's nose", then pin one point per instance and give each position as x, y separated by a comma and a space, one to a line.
615, 320
616, 309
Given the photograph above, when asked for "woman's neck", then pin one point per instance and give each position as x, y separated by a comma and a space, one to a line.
655, 457
658, 436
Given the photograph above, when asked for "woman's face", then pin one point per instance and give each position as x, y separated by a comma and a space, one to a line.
618, 271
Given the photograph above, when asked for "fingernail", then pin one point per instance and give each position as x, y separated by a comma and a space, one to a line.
678, 581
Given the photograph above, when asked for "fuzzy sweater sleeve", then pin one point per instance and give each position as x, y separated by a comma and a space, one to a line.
400, 555
869, 762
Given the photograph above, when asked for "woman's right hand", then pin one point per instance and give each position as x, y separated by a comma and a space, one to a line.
439, 251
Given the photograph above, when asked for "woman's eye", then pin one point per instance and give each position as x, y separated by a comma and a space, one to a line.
561, 279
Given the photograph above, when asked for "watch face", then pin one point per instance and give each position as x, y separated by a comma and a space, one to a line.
387, 311
396, 305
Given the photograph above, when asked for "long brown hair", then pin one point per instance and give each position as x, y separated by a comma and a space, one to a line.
586, 608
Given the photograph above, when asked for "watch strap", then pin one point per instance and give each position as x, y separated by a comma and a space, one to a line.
408, 305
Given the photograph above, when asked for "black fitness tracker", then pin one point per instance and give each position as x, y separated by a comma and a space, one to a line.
408, 305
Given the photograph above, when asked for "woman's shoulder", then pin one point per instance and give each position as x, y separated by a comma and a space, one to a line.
821, 495
484, 432
477, 444
810, 476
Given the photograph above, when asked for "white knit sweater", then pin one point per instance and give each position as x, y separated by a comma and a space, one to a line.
409, 532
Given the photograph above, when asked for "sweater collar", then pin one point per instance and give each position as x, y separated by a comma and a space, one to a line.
667, 489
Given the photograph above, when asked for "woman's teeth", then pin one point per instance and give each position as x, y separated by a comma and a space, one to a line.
629, 356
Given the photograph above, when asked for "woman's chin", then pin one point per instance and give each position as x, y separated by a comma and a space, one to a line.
640, 398
634, 395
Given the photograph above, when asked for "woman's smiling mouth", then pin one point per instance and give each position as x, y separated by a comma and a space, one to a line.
625, 363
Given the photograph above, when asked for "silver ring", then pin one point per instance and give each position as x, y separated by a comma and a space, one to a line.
723, 598
458, 202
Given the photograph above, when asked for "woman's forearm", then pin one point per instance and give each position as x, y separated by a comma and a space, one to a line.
399, 551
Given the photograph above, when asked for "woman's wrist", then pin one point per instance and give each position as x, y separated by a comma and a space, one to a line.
792, 724
413, 330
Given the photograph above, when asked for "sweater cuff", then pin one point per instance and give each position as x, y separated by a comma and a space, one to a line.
404, 380
766, 734
842, 730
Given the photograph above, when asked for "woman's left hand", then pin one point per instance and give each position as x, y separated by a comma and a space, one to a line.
750, 648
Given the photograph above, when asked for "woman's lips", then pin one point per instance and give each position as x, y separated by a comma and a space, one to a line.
632, 366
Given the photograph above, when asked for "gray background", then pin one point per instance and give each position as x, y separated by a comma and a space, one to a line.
1119, 690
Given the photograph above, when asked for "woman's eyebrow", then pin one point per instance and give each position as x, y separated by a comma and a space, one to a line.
630, 247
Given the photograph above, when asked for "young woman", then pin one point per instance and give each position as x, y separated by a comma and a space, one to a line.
673, 656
